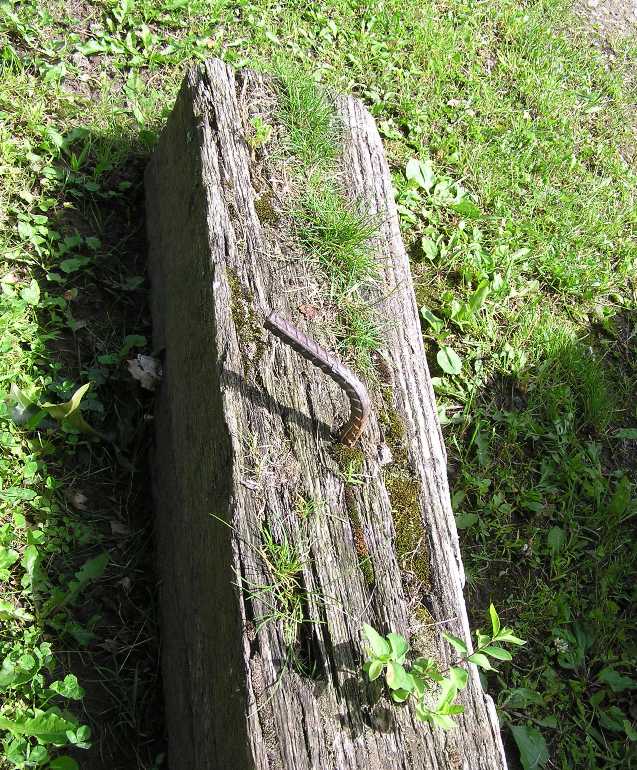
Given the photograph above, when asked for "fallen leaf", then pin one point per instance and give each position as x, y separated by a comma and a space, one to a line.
78, 500
309, 311
10, 278
146, 370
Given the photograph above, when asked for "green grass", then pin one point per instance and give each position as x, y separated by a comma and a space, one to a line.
310, 120
332, 229
338, 234
283, 596
522, 228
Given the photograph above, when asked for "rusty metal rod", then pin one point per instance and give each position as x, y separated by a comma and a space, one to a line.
360, 405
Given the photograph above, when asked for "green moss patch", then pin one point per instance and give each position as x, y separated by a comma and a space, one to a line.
266, 212
247, 323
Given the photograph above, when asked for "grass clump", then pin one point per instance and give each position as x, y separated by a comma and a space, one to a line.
570, 379
360, 333
284, 595
309, 117
337, 233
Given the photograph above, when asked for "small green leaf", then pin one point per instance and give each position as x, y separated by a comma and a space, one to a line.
92, 569
65, 410
55, 137
448, 692
9, 612
12, 494
73, 264
466, 208
456, 642
442, 720
459, 676
427, 668
612, 719
466, 520
419, 685
477, 299
68, 413
556, 539
495, 620
506, 636
47, 727
429, 248
497, 652
26, 662
400, 696
379, 645
521, 697
29, 562
483, 639
63, 763
397, 678
38, 756
31, 294
83, 733
68, 688
616, 681
375, 669
8, 557
449, 361
630, 731
399, 646
132, 341
25, 231
423, 713
480, 660
621, 498
437, 324
421, 173
549, 721
533, 750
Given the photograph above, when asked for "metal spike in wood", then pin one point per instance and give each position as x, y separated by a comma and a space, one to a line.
360, 405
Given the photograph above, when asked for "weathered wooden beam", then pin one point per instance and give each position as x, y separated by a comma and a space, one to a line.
244, 435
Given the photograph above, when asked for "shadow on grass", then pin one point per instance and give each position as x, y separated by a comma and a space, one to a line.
542, 472
94, 584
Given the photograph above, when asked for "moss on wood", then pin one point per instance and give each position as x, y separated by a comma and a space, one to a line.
404, 491
247, 323
265, 209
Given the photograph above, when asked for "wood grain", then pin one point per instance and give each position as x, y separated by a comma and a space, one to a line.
242, 433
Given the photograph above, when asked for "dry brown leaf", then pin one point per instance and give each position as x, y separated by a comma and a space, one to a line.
146, 370
78, 500
309, 311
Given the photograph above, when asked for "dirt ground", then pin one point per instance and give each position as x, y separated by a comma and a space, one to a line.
609, 18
